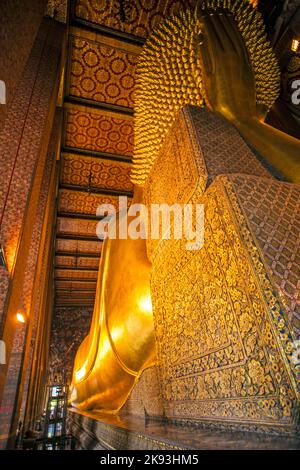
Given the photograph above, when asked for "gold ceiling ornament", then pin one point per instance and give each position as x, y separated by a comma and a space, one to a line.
169, 74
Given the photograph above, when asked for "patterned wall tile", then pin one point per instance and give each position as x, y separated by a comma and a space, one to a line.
23, 142
11, 384
273, 209
81, 202
96, 172
102, 73
99, 132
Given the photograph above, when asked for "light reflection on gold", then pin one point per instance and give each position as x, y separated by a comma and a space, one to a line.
21, 317
295, 45
146, 305
81, 373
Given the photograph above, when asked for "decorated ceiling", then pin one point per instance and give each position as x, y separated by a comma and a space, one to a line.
105, 38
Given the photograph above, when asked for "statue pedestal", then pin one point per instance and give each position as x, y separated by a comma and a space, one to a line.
109, 432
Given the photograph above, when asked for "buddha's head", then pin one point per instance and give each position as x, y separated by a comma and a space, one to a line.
169, 74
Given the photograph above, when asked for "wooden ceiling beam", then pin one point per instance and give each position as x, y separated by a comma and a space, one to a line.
103, 40
84, 238
73, 215
95, 154
75, 254
91, 189
97, 105
74, 304
96, 28
79, 279
75, 268
65, 289
84, 106
85, 297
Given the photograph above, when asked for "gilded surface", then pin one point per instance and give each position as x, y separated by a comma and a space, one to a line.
226, 316
210, 146
273, 213
224, 341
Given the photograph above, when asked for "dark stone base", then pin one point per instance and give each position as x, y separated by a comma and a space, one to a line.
94, 430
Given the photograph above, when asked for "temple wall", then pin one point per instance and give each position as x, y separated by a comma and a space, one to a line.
23, 143
226, 316
20, 364
27, 200
20, 22
38, 263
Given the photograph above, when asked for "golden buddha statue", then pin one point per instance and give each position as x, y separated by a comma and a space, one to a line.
218, 57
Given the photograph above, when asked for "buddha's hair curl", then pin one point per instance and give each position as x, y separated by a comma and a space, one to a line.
169, 74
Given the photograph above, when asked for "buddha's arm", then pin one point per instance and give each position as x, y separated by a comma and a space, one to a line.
230, 90
279, 149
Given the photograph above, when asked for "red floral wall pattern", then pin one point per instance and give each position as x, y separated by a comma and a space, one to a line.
96, 172
102, 73
99, 132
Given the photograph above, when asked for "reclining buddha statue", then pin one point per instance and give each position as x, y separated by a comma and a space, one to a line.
219, 322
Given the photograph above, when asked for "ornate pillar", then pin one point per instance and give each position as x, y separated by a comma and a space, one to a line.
27, 167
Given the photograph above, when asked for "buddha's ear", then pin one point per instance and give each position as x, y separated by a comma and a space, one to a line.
204, 51
262, 111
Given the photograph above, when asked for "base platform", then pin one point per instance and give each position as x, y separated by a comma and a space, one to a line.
94, 430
